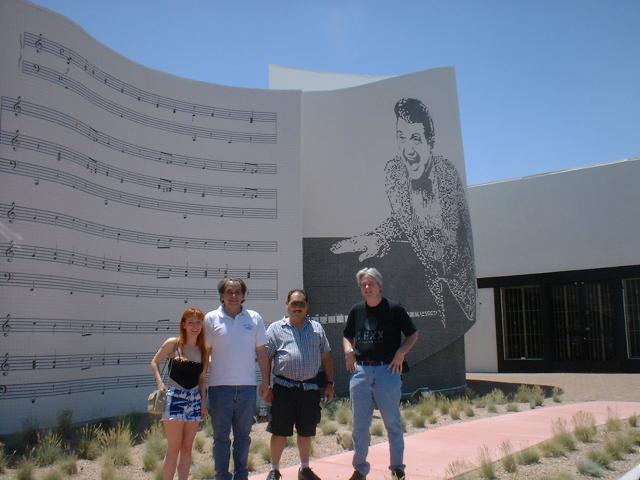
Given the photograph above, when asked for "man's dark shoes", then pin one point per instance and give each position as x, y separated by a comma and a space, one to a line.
307, 474
397, 474
357, 476
274, 475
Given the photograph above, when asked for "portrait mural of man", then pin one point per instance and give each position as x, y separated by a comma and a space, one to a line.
429, 212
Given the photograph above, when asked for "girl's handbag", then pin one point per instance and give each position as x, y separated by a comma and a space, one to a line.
157, 400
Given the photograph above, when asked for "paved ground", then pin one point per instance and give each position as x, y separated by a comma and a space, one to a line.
601, 392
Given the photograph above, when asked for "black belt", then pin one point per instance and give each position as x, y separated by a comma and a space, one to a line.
372, 363
297, 383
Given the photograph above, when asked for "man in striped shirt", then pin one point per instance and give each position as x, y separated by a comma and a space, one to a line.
297, 347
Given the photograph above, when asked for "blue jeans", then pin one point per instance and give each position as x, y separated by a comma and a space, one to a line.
376, 387
232, 407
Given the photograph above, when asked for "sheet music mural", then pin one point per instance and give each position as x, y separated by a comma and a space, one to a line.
126, 194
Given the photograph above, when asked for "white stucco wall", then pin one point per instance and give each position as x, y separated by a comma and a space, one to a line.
571, 220
480, 341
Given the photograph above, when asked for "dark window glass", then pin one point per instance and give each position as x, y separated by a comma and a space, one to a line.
522, 323
632, 315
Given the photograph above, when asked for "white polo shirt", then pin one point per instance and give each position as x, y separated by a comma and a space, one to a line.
233, 341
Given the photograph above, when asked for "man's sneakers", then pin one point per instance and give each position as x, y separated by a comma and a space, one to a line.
307, 474
274, 475
356, 475
397, 474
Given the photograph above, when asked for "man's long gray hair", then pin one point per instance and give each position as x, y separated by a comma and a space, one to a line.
370, 272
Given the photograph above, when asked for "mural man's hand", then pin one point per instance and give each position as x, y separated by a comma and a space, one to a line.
369, 245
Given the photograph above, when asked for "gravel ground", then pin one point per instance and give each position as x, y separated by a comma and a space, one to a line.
575, 388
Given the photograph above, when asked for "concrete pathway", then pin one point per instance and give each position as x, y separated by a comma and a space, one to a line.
429, 454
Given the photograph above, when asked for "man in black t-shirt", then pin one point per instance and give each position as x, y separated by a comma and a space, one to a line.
374, 354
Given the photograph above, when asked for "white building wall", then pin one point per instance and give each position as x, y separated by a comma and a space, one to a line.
481, 353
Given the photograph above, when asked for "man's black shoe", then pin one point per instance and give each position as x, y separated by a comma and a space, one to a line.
397, 474
307, 474
274, 475
357, 476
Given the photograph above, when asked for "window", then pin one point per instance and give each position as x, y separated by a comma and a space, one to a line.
522, 323
631, 288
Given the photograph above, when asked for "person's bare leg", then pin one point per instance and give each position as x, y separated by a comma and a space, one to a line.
174, 431
277, 447
184, 463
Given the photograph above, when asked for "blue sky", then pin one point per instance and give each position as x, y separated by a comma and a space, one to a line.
543, 85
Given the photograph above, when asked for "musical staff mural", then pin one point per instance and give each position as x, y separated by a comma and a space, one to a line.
125, 195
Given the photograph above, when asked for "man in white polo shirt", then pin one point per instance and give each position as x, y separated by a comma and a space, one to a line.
236, 336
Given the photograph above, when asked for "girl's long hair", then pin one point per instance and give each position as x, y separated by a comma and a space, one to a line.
200, 341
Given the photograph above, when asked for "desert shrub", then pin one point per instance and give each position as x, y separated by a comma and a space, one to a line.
52, 475
329, 428
562, 435
538, 395
116, 444
584, 426
590, 468
600, 456
64, 425
432, 419
457, 467
498, 396
555, 395
551, 448
443, 404
377, 429
68, 465
48, 449
418, 421
528, 456
155, 444
613, 424
491, 407
29, 433
523, 394
149, 461
509, 462
203, 472
486, 469
343, 414
88, 444
24, 470
468, 411
617, 445
512, 407
633, 420
199, 442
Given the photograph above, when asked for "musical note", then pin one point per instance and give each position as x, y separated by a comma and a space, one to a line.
16, 107
9, 252
11, 214
4, 366
15, 141
6, 327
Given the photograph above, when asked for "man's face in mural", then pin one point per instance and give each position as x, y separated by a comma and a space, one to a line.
414, 149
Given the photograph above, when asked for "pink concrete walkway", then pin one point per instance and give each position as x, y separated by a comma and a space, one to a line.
428, 454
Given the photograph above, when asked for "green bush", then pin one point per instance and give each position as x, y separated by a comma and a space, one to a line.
555, 395
116, 443
486, 469
88, 444
512, 407
52, 475
64, 425
203, 472
600, 456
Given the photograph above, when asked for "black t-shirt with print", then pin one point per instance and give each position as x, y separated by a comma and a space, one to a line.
378, 330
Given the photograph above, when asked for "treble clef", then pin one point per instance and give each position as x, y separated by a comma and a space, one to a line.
17, 109
6, 328
9, 252
15, 141
11, 214
38, 44
4, 366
